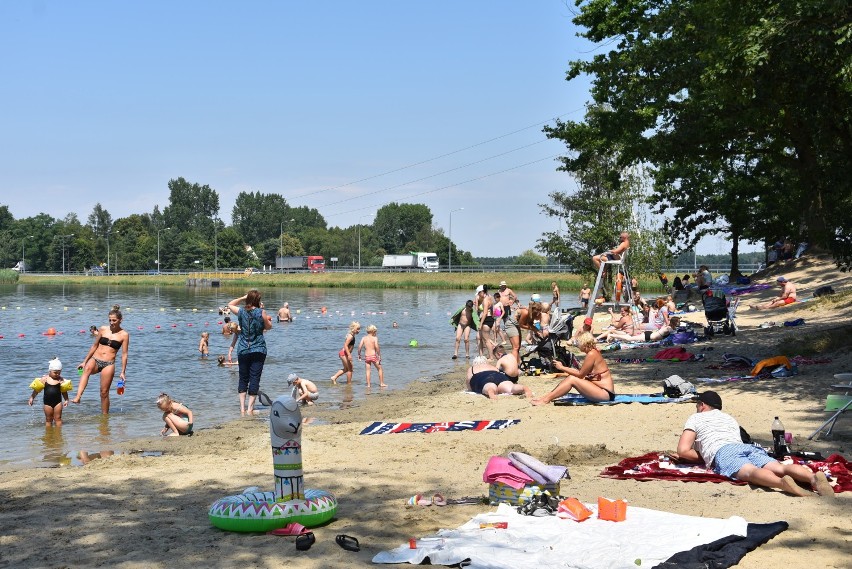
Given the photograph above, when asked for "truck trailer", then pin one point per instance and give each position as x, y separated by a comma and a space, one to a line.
416, 260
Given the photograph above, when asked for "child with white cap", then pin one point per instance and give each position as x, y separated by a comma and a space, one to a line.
308, 392
55, 389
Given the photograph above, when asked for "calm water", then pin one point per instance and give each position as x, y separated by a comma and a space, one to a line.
165, 326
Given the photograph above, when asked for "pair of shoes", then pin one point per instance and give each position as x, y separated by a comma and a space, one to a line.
348, 542
305, 541
542, 504
420, 500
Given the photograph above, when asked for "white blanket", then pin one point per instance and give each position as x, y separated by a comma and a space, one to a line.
647, 536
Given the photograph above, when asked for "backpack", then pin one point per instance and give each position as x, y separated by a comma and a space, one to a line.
676, 386
684, 337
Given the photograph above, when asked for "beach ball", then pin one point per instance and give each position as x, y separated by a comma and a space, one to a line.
413, 343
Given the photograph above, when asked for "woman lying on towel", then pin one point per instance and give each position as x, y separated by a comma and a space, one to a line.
593, 380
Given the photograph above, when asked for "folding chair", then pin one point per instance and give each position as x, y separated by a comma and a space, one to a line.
837, 403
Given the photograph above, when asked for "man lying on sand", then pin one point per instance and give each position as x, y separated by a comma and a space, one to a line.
714, 437
484, 378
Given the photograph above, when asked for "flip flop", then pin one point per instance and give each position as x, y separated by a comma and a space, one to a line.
467, 500
439, 500
418, 500
290, 529
305, 541
348, 542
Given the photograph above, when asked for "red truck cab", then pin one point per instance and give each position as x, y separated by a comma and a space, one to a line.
315, 263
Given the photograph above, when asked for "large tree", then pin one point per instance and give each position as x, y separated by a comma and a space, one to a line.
191, 207
398, 225
741, 110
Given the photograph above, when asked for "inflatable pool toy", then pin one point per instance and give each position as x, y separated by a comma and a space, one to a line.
413, 343
290, 502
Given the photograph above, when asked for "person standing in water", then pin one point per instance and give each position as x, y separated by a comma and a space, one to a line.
345, 353
251, 346
101, 358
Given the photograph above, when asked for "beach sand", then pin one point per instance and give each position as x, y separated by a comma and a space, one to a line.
130, 510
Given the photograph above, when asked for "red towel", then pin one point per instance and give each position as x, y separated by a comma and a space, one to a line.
679, 353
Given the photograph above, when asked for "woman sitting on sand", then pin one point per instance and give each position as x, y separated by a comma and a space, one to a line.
593, 380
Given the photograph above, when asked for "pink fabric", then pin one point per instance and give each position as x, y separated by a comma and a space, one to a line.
500, 469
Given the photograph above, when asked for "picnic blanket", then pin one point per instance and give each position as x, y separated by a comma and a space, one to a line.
575, 399
648, 467
646, 538
380, 428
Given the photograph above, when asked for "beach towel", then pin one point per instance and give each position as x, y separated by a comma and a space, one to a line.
500, 469
645, 539
574, 399
648, 467
679, 354
380, 428
537, 470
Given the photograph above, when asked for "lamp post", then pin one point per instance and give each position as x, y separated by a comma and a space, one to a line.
281, 239
158, 247
215, 243
107, 236
63, 237
450, 245
359, 238
24, 254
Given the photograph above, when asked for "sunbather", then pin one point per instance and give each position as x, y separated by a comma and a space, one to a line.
714, 437
593, 379
787, 296
484, 378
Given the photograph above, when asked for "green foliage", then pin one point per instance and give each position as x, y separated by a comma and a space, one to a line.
742, 111
530, 257
8, 276
192, 207
398, 226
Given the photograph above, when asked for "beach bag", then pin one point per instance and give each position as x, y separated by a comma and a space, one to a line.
675, 386
823, 291
684, 337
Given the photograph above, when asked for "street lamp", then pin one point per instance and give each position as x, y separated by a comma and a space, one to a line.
107, 236
450, 245
281, 239
23, 253
359, 238
215, 243
63, 237
158, 247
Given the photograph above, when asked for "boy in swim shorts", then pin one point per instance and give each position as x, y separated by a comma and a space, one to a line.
372, 354
308, 392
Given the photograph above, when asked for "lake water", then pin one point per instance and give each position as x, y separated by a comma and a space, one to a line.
165, 325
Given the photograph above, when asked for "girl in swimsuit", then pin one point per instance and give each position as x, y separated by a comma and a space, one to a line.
372, 354
101, 358
346, 354
178, 417
593, 380
53, 394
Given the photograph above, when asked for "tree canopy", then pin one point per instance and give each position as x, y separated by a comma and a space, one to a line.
741, 112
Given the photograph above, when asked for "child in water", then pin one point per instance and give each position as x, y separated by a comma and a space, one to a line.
308, 392
178, 417
222, 362
53, 393
372, 353
204, 344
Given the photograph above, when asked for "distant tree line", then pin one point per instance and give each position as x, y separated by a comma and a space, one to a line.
188, 234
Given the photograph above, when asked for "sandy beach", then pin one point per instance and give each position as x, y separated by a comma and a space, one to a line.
132, 511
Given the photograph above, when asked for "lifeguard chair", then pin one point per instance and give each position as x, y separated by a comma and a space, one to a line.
627, 291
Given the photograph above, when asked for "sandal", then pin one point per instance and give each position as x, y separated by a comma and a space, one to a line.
418, 500
348, 542
439, 500
290, 529
305, 541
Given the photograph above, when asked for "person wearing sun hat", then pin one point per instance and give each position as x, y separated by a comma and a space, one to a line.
787, 296
713, 437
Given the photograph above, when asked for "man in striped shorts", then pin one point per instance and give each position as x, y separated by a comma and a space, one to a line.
714, 437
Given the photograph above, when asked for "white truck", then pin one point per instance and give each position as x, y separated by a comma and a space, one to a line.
414, 260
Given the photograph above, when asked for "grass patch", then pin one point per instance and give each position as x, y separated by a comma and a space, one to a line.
818, 343
8, 276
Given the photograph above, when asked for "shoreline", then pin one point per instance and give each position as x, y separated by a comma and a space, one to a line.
132, 511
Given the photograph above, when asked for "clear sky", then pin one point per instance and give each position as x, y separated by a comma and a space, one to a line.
339, 105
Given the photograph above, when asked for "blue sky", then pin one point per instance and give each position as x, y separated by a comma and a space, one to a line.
339, 105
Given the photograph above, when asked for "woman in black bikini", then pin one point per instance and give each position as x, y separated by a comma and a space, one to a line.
593, 380
101, 357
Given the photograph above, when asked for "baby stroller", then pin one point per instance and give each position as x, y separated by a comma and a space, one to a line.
542, 355
720, 314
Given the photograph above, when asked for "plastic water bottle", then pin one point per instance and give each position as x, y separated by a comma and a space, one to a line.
778, 443
119, 389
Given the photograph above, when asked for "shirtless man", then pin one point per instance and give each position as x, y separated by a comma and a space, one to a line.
507, 363
555, 289
509, 300
613, 254
586, 327
585, 296
788, 295
284, 313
